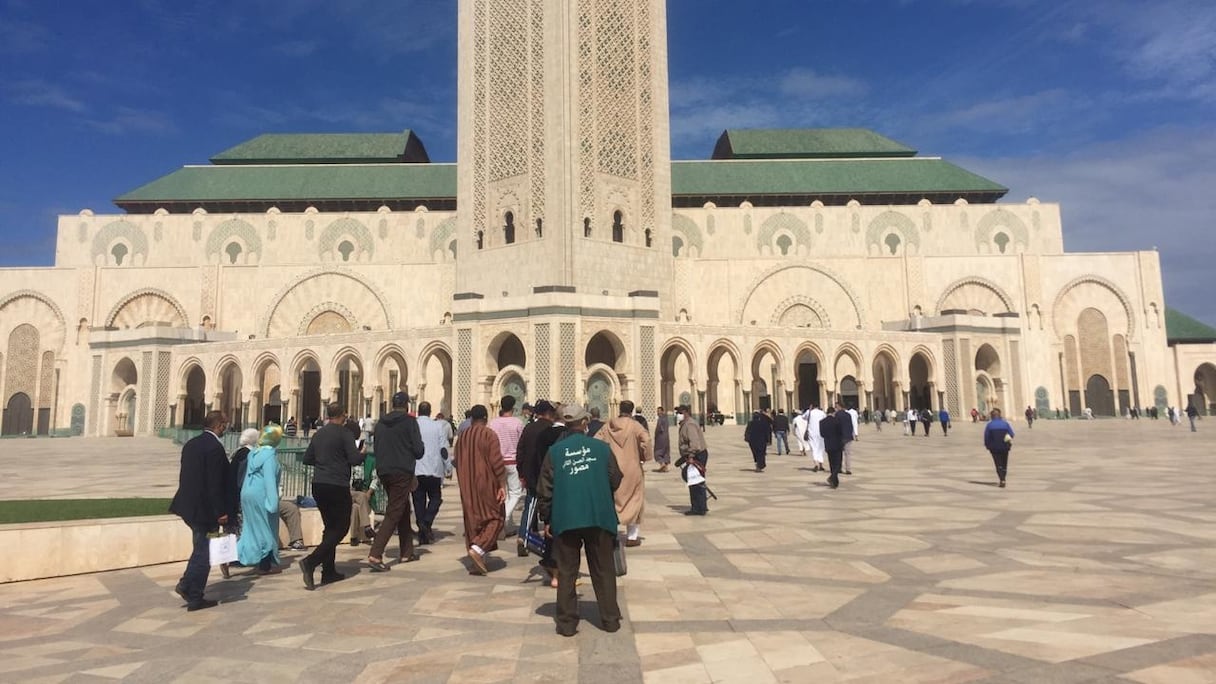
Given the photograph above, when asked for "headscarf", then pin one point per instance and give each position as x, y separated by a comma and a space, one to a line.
271, 434
249, 437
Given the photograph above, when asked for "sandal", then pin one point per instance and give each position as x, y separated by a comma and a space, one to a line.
408, 559
377, 565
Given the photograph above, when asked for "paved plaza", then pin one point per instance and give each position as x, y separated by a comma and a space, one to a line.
1096, 564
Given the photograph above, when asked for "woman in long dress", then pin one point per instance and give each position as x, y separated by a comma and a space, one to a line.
259, 541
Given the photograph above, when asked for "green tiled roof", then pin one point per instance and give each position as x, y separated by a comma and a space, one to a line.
859, 177
1180, 327
326, 148
807, 143
914, 177
301, 183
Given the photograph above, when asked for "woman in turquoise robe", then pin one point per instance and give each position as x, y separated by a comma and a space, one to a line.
259, 541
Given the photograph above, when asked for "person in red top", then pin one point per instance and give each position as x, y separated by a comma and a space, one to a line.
509, 428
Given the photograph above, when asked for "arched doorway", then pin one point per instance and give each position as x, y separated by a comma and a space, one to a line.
848, 392
1099, 397
766, 377
307, 406
349, 370
920, 394
268, 398
196, 404
1204, 398
807, 376
392, 376
230, 400
886, 389
18, 415
721, 382
123, 382
988, 377
675, 377
513, 385
436, 385
600, 394
604, 348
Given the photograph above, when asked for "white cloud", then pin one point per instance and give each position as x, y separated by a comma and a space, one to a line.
39, 93
807, 84
126, 120
1152, 190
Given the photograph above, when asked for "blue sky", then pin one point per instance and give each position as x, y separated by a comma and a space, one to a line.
1107, 107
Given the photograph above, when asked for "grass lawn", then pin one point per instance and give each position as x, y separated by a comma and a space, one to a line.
24, 511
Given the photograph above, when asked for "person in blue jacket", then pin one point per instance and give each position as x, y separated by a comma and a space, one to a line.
998, 440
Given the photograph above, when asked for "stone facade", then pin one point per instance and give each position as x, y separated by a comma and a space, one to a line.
565, 273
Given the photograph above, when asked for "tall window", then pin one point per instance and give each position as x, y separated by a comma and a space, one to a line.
618, 227
481, 239
508, 231
586, 227
540, 227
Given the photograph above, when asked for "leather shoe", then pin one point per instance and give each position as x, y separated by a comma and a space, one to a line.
202, 605
633, 542
181, 591
306, 568
567, 632
331, 577
611, 626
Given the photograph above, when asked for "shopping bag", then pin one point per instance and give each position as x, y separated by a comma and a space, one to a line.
618, 557
223, 549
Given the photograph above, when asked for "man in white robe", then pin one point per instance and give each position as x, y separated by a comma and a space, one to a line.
801, 422
818, 451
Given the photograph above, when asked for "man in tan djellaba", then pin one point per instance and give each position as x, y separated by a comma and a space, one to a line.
630, 444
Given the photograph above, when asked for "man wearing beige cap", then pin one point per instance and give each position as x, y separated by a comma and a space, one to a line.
575, 494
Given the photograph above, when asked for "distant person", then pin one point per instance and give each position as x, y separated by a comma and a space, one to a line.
641, 419
430, 470
998, 440
259, 541
662, 440
757, 434
781, 428
943, 418
831, 429
594, 425
629, 444
509, 428
818, 452
331, 452
801, 436
1029, 417
926, 419
291, 426
694, 457
848, 436
483, 488
202, 502
1192, 415
398, 448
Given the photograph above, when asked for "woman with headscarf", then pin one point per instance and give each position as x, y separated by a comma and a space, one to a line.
259, 541
236, 477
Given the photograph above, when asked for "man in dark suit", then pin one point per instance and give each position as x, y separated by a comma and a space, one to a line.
202, 502
831, 427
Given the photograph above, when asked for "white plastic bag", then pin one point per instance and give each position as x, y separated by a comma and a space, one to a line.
223, 549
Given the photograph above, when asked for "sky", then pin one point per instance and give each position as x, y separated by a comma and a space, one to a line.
1105, 106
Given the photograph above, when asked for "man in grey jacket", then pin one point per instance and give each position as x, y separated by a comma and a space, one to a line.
331, 452
398, 448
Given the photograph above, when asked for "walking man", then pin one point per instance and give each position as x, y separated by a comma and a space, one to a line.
781, 428
998, 440
1192, 414
331, 452
662, 441
398, 448
629, 443
509, 428
848, 435
1029, 418
576, 489
202, 502
817, 448
694, 453
831, 428
800, 433
431, 468
482, 477
943, 417
757, 435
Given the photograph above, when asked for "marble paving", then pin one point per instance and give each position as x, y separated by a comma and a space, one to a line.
1096, 564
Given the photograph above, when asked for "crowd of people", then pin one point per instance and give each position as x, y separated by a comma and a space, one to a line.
578, 477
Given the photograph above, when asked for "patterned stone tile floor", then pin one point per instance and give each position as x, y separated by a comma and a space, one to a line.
1096, 564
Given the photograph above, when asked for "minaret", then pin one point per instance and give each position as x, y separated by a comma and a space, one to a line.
563, 201
564, 147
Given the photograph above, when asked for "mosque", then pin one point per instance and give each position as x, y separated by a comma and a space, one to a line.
566, 256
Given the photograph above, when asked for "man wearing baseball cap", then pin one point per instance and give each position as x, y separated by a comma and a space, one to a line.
576, 487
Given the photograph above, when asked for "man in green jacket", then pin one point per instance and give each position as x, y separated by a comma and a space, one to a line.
575, 491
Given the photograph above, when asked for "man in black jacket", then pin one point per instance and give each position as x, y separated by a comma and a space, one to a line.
202, 502
398, 447
533, 448
781, 428
832, 428
331, 453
